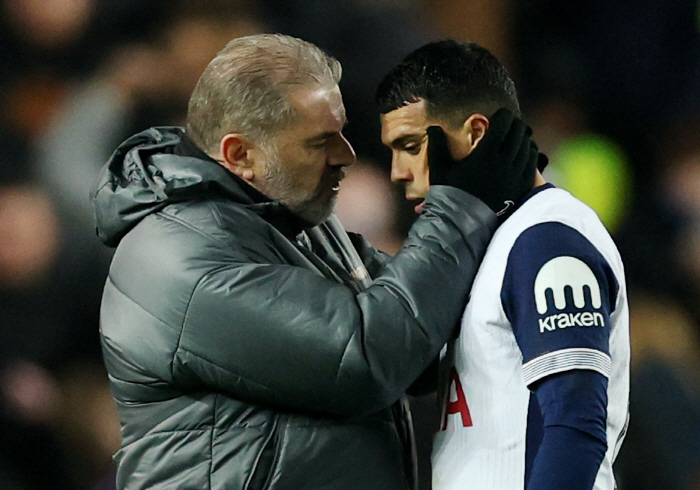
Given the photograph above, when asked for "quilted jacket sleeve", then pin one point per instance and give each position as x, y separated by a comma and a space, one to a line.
285, 336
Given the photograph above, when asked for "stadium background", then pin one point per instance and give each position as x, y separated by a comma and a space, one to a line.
612, 90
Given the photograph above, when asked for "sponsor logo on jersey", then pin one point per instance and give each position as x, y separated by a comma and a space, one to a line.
558, 274
564, 320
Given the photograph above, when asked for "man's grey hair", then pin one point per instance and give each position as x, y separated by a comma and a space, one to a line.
245, 88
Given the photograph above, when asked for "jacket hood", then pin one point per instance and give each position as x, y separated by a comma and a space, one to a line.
143, 176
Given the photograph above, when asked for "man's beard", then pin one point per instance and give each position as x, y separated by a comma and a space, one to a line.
314, 207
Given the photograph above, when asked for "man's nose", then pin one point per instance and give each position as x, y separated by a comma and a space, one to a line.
399, 173
341, 152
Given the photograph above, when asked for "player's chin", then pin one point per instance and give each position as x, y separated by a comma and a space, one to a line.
417, 205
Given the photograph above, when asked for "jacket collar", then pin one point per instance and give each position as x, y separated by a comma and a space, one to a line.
153, 169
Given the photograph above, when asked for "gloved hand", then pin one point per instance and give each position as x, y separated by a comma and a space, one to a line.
500, 170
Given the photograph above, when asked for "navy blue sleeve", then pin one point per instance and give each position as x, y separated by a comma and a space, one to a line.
558, 294
574, 411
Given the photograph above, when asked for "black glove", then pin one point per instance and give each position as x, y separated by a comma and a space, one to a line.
500, 170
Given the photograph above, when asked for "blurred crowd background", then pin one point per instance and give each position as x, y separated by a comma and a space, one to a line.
611, 88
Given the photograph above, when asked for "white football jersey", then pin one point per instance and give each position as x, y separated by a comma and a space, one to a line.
549, 297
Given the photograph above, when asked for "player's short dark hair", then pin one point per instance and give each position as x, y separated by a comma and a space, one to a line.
455, 78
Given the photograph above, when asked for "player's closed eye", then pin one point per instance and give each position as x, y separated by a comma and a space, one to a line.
412, 149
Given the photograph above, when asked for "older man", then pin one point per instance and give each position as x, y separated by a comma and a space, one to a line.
250, 341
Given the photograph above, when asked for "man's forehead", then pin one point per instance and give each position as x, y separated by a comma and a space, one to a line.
318, 96
319, 105
408, 119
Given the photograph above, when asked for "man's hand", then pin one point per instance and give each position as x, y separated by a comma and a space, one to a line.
500, 170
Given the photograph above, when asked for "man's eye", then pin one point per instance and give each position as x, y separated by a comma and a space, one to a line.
412, 149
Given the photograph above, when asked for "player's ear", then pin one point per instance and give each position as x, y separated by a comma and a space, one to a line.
237, 156
464, 138
474, 129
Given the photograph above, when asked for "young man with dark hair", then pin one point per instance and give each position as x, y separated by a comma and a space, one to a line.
535, 386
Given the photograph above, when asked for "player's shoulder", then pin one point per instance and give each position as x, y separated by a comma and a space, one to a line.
550, 204
553, 222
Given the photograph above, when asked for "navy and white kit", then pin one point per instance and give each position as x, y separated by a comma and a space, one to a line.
536, 385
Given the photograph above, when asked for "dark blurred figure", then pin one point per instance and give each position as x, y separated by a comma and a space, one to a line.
368, 37
138, 85
46, 45
368, 205
667, 220
661, 246
627, 62
51, 379
662, 448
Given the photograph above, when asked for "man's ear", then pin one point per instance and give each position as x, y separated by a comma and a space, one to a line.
474, 129
235, 155
463, 139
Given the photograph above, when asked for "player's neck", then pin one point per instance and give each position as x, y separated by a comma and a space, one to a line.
539, 180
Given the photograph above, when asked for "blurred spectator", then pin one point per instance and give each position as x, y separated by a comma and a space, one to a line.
47, 44
661, 246
368, 37
49, 303
138, 85
628, 62
367, 204
485, 22
660, 241
662, 448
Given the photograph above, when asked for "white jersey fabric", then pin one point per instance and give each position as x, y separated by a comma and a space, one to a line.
549, 297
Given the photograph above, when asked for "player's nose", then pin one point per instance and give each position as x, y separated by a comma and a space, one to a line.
399, 172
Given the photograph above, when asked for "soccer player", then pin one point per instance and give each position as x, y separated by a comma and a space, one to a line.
535, 384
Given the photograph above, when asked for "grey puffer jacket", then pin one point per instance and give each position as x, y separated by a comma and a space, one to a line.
246, 353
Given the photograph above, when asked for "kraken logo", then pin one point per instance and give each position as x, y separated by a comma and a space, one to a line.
561, 272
